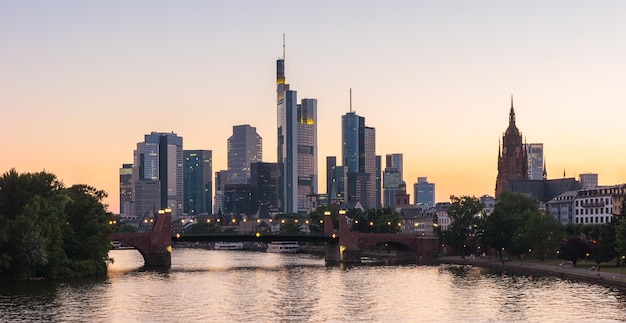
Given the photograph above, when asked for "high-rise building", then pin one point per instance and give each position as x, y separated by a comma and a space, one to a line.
237, 200
331, 162
536, 170
391, 185
263, 185
588, 180
244, 148
126, 191
297, 146
198, 182
395, 160
392, 176
359, 156
221, 179
512, 161
160, 158
424, 193
379, 167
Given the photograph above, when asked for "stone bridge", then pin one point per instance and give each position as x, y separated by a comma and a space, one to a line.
155, 246
350, 245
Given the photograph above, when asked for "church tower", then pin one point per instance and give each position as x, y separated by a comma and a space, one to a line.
512, 158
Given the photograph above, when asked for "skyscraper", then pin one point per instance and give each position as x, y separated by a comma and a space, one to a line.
392, 176
536, 163
160, 158
221, 179
263, 185
126, 190
424, 193
297, 146
244, 148
512, 160
198, 182
359, 156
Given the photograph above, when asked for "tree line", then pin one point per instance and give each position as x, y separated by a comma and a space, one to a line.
50, 231
517, 227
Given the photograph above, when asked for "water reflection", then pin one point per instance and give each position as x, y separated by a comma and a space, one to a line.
218, 286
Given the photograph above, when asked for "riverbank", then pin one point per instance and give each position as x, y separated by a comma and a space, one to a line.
534, 267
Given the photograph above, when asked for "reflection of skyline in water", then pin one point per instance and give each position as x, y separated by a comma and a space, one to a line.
207, 285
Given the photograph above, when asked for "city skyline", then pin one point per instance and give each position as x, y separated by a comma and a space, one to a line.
82, 83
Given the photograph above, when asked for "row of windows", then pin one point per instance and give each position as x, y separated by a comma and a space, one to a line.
590, 219
596, 200
591, 211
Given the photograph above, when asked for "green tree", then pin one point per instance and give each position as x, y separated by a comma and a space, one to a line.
462, 212
541, 233
511, 212
620, 233
49, 231
574, 249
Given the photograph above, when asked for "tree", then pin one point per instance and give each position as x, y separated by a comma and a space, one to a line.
574, 249
511, 211
540, 233
49, 231
203, 228
462, 212
620, 233
601, 239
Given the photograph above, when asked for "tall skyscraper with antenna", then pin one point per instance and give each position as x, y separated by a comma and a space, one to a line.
297, 145
358, 151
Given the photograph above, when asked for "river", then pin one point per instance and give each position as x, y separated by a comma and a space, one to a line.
244, 286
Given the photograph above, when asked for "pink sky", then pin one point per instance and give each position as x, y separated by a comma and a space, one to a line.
82, 82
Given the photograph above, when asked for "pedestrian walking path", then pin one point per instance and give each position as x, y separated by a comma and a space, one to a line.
563, 270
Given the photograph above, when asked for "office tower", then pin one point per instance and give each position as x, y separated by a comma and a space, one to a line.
244, 148
198, 182
336, 181
392, 176
391, 185
536, 163
263, 185
512, 161
395, 160
297, 146
331, 162
126, 191
424, 193
379, 167
359, 156
160, 158
237, 200
588, 180
221, 179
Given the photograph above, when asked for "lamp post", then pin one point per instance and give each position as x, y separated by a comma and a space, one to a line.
371, 226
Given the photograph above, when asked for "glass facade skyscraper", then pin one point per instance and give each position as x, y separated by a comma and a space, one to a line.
126, 190
160, 158
359, 156
424, 193
198, 182
297, 146
535, 161
244, 147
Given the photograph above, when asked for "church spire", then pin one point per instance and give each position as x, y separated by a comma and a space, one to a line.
512, 113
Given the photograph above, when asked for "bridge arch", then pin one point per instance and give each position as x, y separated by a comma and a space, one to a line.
154, 246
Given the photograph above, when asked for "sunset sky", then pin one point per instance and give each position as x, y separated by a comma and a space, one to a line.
81, 82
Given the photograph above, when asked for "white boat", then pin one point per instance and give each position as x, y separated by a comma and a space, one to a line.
283, 247
228, 246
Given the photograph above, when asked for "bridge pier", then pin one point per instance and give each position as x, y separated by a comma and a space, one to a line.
155, 246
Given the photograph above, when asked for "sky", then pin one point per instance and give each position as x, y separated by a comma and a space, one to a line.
82, 82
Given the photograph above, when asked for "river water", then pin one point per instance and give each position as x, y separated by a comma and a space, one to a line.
243, 286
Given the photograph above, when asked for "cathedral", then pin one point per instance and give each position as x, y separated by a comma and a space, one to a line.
512, 157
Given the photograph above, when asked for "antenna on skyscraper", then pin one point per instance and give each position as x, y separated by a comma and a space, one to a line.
283, 46
350, 100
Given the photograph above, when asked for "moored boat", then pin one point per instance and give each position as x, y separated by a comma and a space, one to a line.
283, 247
228, 246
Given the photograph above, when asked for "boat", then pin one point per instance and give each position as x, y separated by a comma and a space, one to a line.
228, 246
283, 247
